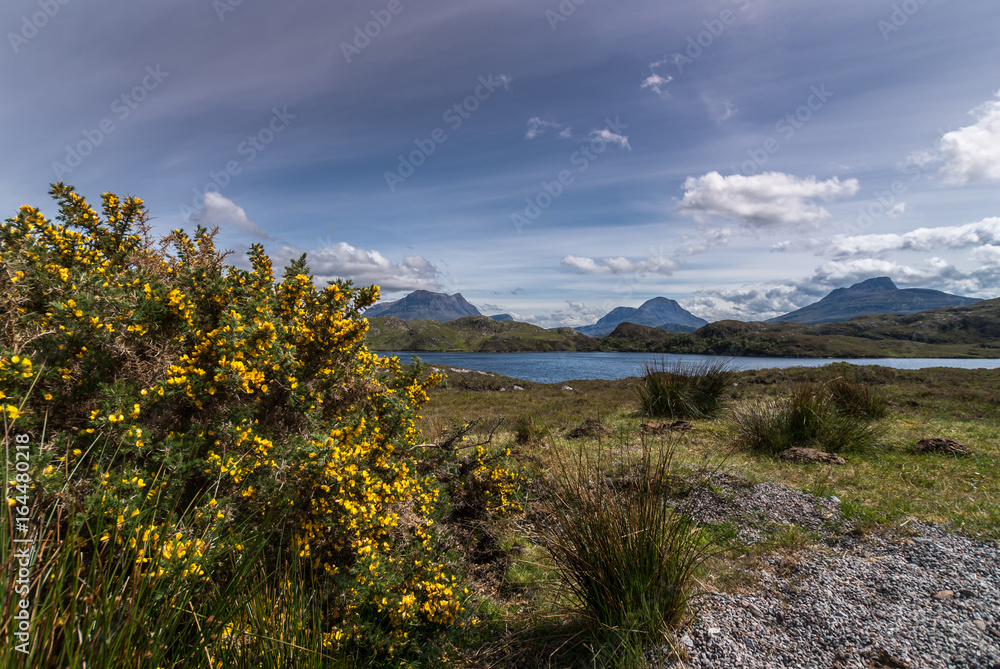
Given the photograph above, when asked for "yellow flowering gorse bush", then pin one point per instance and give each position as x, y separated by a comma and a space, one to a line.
160, 372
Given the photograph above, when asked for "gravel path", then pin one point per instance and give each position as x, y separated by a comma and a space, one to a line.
928, 600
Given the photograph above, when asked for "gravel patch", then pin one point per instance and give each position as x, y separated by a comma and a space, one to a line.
927, 600
725, 496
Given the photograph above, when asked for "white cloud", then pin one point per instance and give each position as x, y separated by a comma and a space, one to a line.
610, 138
585, 265
219, 209
365, 267
764, 200
749, 303
620, 265
656, 82
972, 153
507, 81
538, 126
984, 232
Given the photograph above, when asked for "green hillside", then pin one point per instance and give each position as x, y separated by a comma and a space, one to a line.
472, 333
971, 331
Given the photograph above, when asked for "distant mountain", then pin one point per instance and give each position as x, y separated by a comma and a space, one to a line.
425, 304
874, 296
659, 312
502, 317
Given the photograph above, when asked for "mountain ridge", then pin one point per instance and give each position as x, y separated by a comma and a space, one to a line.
878, 295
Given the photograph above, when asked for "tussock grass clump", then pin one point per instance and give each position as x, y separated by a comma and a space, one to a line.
625, 557
680, 390
853, 397
811, 415
529, 430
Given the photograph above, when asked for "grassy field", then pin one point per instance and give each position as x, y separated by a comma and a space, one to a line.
881, 488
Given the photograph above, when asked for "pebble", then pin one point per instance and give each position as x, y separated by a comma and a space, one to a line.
857, 604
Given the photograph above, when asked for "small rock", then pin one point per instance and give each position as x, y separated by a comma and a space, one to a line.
834, 499
944, 594
980, 625
660, 427
687, 641
967, 594
589, 428
922, 540
566, 388
942, 445
806, 454
885, 659
714, 631
518, 388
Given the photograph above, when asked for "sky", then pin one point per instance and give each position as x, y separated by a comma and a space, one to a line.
548, 159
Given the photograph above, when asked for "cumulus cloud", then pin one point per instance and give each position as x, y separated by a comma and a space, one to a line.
610, 138
970, 235
972, 153
365, 267
620, 265
218, 210
765, 200
749, 303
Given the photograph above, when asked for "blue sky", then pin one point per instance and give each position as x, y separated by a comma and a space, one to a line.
548, 159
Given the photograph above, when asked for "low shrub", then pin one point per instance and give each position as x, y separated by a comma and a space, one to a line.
679, 390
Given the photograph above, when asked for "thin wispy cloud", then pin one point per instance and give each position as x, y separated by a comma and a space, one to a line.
219, 210
538, 126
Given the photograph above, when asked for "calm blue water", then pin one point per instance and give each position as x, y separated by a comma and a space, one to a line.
556, 367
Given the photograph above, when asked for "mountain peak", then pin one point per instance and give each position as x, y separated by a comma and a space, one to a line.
425, 304
877, 284
658, 312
